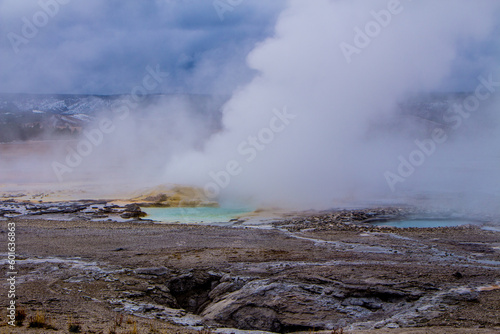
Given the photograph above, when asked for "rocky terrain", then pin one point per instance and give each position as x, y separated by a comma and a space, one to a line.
98, 266
74, 210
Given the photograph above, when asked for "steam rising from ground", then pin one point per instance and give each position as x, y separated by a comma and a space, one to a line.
340, 143
320, 125
125, 147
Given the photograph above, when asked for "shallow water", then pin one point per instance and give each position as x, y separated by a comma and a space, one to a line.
194, 215
426, 223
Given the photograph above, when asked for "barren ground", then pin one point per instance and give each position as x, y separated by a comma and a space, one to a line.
126, 277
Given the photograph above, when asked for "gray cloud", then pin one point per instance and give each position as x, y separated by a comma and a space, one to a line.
102, 47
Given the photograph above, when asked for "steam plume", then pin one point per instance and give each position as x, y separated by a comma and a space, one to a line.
344, 135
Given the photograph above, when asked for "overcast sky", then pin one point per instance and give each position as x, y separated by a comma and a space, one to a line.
103, 47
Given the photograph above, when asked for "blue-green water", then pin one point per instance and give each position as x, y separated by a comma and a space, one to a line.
426, 223
194, 215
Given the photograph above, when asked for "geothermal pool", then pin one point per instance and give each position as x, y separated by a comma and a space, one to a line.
426, 223
194, 215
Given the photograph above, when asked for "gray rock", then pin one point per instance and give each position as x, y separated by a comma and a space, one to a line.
369, 303
457, 296
277, 306
392, 325
221, 289
152, 271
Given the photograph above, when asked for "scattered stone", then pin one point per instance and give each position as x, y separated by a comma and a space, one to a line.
392, 325
152, 271
133, 211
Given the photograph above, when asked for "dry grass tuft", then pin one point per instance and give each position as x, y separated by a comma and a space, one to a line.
20, 316
39, 321
134, 329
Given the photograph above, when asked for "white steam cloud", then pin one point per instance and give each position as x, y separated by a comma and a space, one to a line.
339, 70
323, 122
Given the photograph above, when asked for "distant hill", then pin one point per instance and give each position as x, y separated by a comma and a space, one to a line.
39, 116
55, 104
52, 116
